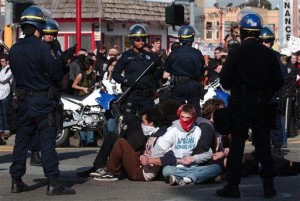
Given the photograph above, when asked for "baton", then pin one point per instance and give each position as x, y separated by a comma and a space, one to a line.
5, 46
286, 114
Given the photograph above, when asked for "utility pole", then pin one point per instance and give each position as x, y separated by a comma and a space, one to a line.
192, 13
8, 21
78, 25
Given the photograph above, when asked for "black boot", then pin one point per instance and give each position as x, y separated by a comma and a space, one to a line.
56, 188
277, 152
229, 191
18, 186
35, 159
269, 190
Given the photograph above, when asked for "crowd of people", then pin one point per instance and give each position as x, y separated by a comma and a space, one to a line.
174, 140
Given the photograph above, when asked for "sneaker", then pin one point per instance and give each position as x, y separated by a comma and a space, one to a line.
107, 176
219, 178
173, 181
98, 172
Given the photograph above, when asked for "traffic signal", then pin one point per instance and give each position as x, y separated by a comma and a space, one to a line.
174, 14
18, 10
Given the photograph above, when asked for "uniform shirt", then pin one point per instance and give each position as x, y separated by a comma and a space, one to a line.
253, 65
134, 64
33, 65
185, 61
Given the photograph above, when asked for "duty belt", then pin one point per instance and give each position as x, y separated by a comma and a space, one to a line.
37, 93
180, 79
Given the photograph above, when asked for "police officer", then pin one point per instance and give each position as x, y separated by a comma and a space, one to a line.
185, 65
35, 69
50, 31
133, 63
267, 37
253, 75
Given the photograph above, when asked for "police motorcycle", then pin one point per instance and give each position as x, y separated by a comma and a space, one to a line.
85, 113
215, 90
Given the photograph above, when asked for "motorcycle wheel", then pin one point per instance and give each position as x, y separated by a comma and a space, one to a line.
62, 137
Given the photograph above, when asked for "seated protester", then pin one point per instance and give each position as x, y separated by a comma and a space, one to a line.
176, 146
134, 136
123, 157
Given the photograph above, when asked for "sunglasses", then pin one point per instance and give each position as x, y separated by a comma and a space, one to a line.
140, 40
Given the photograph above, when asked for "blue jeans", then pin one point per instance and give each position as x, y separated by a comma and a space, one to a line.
87, 135
111, 125
198, 174
4, 104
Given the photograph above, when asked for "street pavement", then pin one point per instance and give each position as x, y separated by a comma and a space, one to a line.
73, 160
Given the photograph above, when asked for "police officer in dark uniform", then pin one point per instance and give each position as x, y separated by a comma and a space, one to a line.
253, 75
50, 32
133, 63
35, 70
267, 37
185, 65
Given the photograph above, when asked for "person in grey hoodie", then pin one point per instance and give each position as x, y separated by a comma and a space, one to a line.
175, 151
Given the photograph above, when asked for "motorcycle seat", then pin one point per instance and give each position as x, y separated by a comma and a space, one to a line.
76, 97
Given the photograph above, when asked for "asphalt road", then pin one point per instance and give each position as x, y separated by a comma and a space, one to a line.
73, 160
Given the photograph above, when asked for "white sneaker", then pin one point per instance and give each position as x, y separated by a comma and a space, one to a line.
107, 176
98, 172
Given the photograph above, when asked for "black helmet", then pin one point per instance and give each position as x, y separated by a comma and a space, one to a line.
33, 16
250, 24
266, 35
51, 27
186, 34
137, 31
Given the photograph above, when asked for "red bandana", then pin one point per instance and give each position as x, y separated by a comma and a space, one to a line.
188, 124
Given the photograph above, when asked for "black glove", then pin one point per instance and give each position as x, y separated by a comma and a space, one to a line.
129, 83
69, 53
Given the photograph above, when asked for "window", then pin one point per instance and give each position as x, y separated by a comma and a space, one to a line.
209, 30
218, 30
61, 40
85, 41
110, 41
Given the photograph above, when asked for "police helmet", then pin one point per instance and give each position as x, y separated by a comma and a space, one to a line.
137, 31
250, 24
186, 34
33, 15
267, 35
51, 27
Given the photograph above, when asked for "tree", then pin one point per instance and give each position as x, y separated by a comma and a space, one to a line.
263, 4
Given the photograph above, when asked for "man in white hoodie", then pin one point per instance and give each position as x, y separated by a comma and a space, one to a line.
175, 151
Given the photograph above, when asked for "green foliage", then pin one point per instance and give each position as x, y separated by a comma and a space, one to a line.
263, 4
